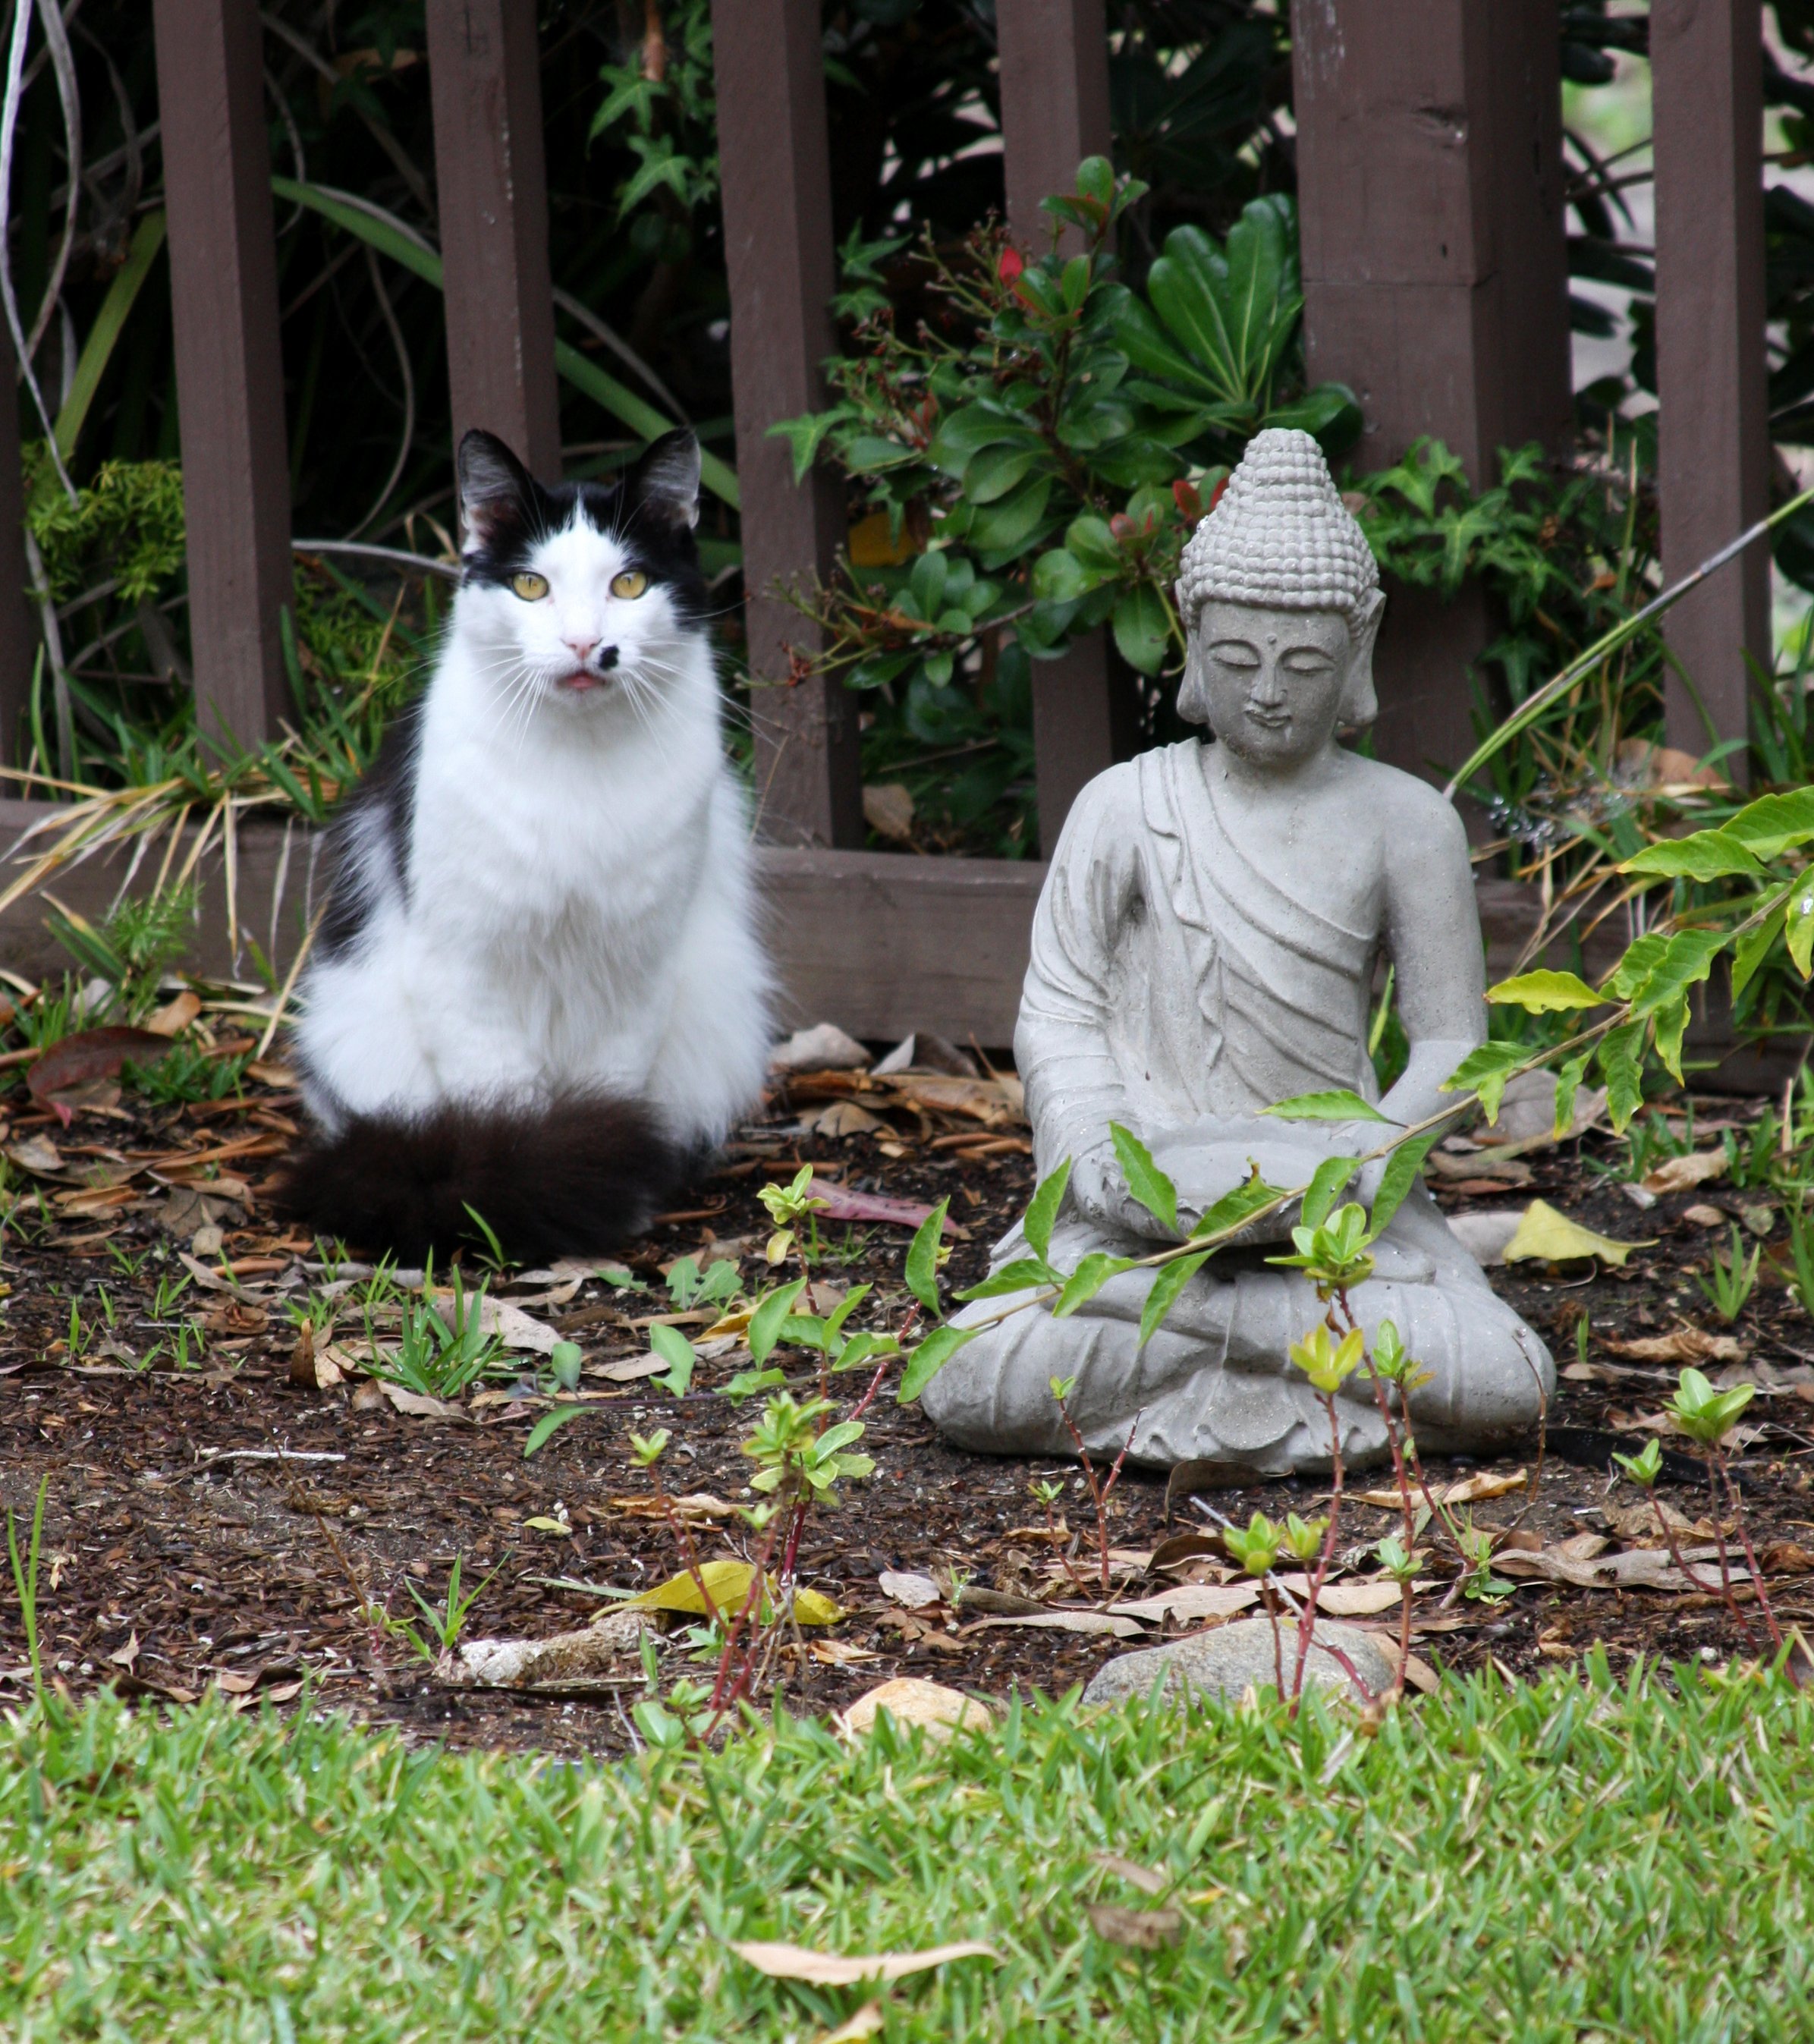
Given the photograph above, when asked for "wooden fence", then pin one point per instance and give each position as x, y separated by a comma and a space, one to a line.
1430, 165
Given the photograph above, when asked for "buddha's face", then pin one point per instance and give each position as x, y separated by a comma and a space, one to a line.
1273, 680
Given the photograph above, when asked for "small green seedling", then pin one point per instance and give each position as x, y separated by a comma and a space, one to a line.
1256, 1547
1733, 1279
1643, 1469
447, 1621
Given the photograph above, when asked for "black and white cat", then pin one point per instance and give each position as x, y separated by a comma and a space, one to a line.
539, 988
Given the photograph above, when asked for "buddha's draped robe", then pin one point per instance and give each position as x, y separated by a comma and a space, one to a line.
1175, 988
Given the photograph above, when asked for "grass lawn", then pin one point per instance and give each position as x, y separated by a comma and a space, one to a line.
1583, 1859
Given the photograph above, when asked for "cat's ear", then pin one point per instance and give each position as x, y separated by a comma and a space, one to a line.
496, 492
666, 481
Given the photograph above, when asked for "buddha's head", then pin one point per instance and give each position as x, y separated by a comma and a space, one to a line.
1281, 601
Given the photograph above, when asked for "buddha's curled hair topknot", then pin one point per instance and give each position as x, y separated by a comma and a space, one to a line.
1281, 537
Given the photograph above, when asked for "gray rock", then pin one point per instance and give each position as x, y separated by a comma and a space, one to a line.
1235, 1658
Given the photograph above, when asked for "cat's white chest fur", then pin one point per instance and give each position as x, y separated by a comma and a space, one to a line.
571, 907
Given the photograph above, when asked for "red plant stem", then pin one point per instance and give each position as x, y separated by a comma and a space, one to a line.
688, 1553
1719, 1543
1761, 1594
875, 1383
758, 1577
1307, 1625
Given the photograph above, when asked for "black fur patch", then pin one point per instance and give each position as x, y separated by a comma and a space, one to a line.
569, 1179
650, 510
389, 788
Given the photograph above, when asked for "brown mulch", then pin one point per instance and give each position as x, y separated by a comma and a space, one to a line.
179, 1550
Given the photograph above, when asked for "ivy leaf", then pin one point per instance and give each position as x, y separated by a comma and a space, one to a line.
1486, 1071
1148, 1183
1568, 1081
1621, 1059
1798, 926
1339, 1106
1041, 1211
1167, 1285
1545, 993
1087, 1279
1022, 1275
930, 1358
766, 1321
1325, 1188
1234, 1207
923, 1258
1400, 1175
1708, 854
1774, 824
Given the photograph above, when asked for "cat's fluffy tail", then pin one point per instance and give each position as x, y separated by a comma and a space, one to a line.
567, 1178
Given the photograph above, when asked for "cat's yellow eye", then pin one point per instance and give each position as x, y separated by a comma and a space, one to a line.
632, 582
531, 588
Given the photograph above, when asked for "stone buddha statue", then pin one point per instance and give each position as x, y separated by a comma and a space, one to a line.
1204, 946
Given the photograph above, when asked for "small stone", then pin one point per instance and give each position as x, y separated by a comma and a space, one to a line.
1238, 1657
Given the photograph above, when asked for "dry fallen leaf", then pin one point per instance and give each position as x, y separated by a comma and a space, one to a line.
727, 1585
124, 1657
1189, 1601
1702, 1215
888, 809
414, 1403
1353, 1600
512, 1325
839, 1652
1544, 1235
795, 1962
1148, 1879
911, 1699
842, 1118
915, 1592
1680, 1345
176, 1015
1137, 1930
1063, 1621
630, 1370
697, 1508
1470, 1490
1637, 1568
869, 2021
1681, 1174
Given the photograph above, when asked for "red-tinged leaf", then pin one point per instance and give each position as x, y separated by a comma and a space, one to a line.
92, 1053
839, 1204
1010, 265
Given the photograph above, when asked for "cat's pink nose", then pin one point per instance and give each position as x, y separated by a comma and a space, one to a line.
581, 649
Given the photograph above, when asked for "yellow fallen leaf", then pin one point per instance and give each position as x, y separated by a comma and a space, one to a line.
1546, 1236
730, 1323
727, 1585
795, 1962
549, 1526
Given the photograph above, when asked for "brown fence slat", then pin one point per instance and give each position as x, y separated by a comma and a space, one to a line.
1713, 427
1429, 161
777, 245
1054, 112
230, 369
491, 197
18, 629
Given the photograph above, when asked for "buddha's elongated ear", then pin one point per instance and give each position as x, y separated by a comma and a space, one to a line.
1360, 705
1192, 691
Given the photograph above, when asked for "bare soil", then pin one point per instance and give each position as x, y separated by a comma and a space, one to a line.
181, 1548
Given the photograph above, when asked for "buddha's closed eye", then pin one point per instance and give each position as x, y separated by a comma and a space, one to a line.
1234, 653
1307, 660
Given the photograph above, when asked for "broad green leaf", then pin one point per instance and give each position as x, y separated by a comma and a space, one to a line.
923, 1258
1754, 947
1025, 1274
1087, 1280
1486, 1072
862, 1346
1059, 577
1635, 967
1774, 824
927, 582
1091, 541
1042, 1211
930, 1358
1148, 1183
993, 471
766, 1321
548, 1424
1621, 1060
1708, 855
1331, 413
1167, 1285
1398, 1177
1338, 1106
1142, 631
1237, 1206
1798, 925
1325, 1188
1545, 993
1545, 1235
676, 1351
1569, 1076
1011, 522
